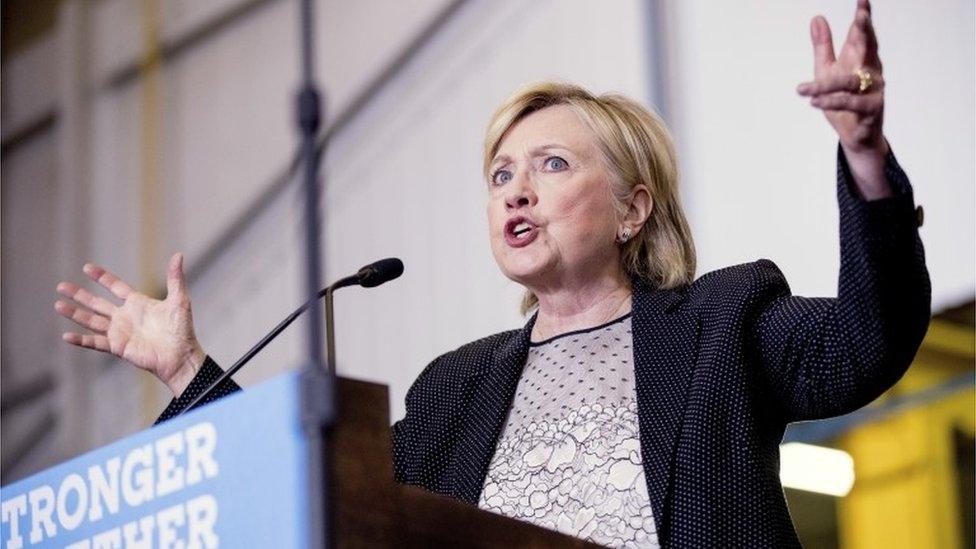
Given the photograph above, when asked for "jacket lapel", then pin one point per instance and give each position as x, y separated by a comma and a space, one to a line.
665, 351
491, 401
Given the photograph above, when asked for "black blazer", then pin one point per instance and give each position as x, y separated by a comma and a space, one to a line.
721, 367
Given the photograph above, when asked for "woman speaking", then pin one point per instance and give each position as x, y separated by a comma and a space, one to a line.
637, 406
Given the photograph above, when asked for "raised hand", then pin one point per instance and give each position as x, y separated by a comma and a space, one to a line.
154, 335
849, 88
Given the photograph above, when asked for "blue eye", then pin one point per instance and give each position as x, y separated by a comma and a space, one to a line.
500, 177
557, 164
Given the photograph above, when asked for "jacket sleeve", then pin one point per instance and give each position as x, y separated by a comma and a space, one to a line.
425, 401
828, 356
404, 434
436, 404
208, 373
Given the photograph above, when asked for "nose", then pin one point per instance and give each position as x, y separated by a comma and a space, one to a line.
519, 193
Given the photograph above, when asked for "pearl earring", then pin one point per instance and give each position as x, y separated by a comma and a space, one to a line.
624, 235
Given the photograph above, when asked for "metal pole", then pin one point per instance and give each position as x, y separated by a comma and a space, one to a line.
317, 383
308, 115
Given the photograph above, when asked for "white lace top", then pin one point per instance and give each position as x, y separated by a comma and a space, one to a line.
569, 456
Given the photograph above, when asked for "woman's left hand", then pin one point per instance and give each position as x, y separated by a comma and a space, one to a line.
855, 114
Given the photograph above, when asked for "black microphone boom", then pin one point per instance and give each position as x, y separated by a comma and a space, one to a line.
370, 276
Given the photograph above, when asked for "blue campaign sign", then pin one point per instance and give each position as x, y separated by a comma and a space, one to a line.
230, 474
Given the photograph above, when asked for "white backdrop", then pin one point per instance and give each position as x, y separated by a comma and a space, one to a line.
404, 178
759, 161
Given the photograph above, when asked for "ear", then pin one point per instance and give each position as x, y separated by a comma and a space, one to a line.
639, 207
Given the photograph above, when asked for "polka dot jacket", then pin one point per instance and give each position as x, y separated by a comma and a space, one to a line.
721, 367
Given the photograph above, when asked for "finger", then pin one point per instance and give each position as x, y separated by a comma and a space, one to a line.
108, 280
175, 279
98, 304
88, 341
871, 39
823, 45
843, 101
82, 317
857, 35
837, 82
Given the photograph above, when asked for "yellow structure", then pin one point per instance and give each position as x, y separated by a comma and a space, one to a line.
910, 490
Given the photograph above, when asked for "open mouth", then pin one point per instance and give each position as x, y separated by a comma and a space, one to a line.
519, 231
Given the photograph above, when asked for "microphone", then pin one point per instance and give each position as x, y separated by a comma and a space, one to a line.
384, 270
370, 276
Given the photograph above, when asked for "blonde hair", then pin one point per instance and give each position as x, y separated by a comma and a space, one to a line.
637, 149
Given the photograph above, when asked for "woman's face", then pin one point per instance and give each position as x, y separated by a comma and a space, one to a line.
550, 212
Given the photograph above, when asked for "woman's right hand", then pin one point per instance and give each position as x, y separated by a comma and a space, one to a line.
155, 335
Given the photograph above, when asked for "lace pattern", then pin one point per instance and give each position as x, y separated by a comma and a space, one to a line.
569, 458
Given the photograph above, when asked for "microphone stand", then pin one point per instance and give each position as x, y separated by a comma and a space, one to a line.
317, 392
330, 332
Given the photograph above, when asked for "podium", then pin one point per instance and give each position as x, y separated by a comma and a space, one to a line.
232, 474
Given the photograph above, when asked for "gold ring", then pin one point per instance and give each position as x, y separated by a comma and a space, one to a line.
865, 80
